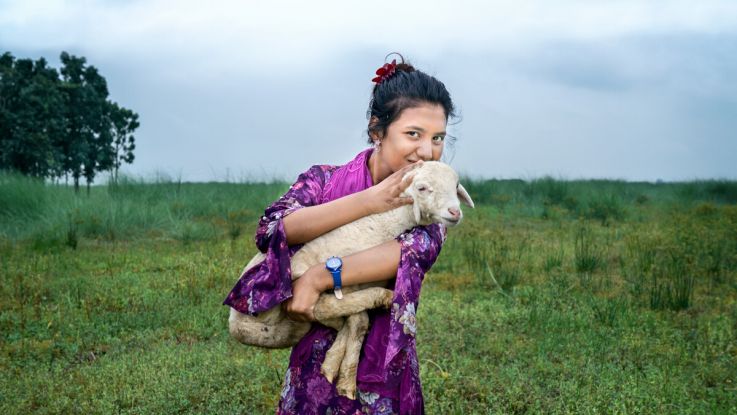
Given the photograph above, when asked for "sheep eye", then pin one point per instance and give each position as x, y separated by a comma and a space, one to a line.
422, 188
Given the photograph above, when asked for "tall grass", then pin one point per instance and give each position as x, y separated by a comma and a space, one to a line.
53, 215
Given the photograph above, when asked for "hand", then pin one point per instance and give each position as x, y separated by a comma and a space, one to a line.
385, 195
306, 291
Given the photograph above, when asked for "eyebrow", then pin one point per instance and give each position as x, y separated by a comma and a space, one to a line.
422, 130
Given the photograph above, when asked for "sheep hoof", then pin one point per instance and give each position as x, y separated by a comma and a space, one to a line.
330, 371
346, 388
387, 298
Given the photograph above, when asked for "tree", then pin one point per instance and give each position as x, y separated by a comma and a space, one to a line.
124, 122
54, 127
30, 115
99, 155
76, 138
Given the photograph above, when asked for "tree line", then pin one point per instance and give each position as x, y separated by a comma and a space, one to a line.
61, 124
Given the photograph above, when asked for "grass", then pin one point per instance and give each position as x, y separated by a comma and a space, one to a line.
111, 303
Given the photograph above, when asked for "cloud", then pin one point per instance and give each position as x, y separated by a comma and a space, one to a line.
630, 89
297, 33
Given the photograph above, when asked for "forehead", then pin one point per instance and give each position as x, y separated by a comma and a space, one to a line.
430, 117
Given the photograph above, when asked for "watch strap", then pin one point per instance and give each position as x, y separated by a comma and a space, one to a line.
337, 284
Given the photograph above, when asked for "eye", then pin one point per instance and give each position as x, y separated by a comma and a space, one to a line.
413, 134
438, 138
423, 188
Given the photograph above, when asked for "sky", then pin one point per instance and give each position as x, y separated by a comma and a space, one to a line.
245, 90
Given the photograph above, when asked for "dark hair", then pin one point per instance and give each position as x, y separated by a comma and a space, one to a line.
407, 88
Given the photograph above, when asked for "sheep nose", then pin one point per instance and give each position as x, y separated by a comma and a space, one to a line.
454, 212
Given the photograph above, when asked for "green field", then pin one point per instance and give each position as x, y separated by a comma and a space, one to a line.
552, 297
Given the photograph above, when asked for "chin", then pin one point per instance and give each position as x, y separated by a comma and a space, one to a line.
449, 223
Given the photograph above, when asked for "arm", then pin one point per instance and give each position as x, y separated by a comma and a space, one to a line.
409, 256
308, 223
374, 264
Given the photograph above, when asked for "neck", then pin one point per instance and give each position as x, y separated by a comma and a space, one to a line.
377, 169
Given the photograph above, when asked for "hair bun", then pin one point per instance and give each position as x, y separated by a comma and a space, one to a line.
405, 67
402, 65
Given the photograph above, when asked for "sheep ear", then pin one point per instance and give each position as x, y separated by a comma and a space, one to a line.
410, 191
464, 197
412, 173
416, 210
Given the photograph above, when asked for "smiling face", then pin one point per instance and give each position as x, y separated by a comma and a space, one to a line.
418, 134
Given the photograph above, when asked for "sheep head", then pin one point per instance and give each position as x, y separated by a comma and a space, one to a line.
437, 194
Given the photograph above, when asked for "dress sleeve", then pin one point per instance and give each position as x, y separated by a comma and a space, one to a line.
420, 248
304, 192
269, 282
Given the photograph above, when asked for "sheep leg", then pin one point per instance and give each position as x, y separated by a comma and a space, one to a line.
328, 306
334, 355
357, 326
352, 304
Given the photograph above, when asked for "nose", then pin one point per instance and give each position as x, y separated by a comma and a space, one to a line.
456, 213
424, 151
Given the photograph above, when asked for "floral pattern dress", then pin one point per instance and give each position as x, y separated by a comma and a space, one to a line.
388, 372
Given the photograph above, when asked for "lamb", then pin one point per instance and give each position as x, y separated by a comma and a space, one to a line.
436, 193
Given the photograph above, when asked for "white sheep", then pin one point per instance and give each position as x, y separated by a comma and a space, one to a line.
436, 193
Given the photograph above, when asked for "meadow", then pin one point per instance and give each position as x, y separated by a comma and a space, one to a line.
551, 297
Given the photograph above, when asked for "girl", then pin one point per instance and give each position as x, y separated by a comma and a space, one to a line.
408, 113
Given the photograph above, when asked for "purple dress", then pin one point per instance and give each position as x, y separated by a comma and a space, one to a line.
388, 372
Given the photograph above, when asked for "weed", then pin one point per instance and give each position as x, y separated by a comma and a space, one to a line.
497, 261
554, 259
672, 284
587, 254
609, 312
642, 199
605, 208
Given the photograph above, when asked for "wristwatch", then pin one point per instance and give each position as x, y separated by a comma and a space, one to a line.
335, 265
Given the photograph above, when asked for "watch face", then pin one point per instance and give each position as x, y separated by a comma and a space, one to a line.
333, 262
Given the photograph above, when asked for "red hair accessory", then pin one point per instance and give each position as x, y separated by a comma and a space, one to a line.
385, 72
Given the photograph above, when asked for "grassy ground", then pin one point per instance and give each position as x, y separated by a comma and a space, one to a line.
551, 297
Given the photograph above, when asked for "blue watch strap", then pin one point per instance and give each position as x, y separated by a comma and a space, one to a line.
337, 283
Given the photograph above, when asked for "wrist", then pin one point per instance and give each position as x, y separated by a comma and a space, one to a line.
365, 200
322, 279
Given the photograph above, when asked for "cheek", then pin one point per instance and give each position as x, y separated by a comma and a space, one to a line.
437, 152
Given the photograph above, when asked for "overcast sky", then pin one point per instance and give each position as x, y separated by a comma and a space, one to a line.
636, 90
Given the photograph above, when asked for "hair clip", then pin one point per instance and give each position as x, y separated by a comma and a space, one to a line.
385, 72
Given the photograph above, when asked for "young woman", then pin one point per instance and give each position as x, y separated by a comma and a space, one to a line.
408, 114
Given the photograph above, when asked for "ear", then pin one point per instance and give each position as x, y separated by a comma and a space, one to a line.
416, 210
410, 191
412, 173
374, 136
464, 197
